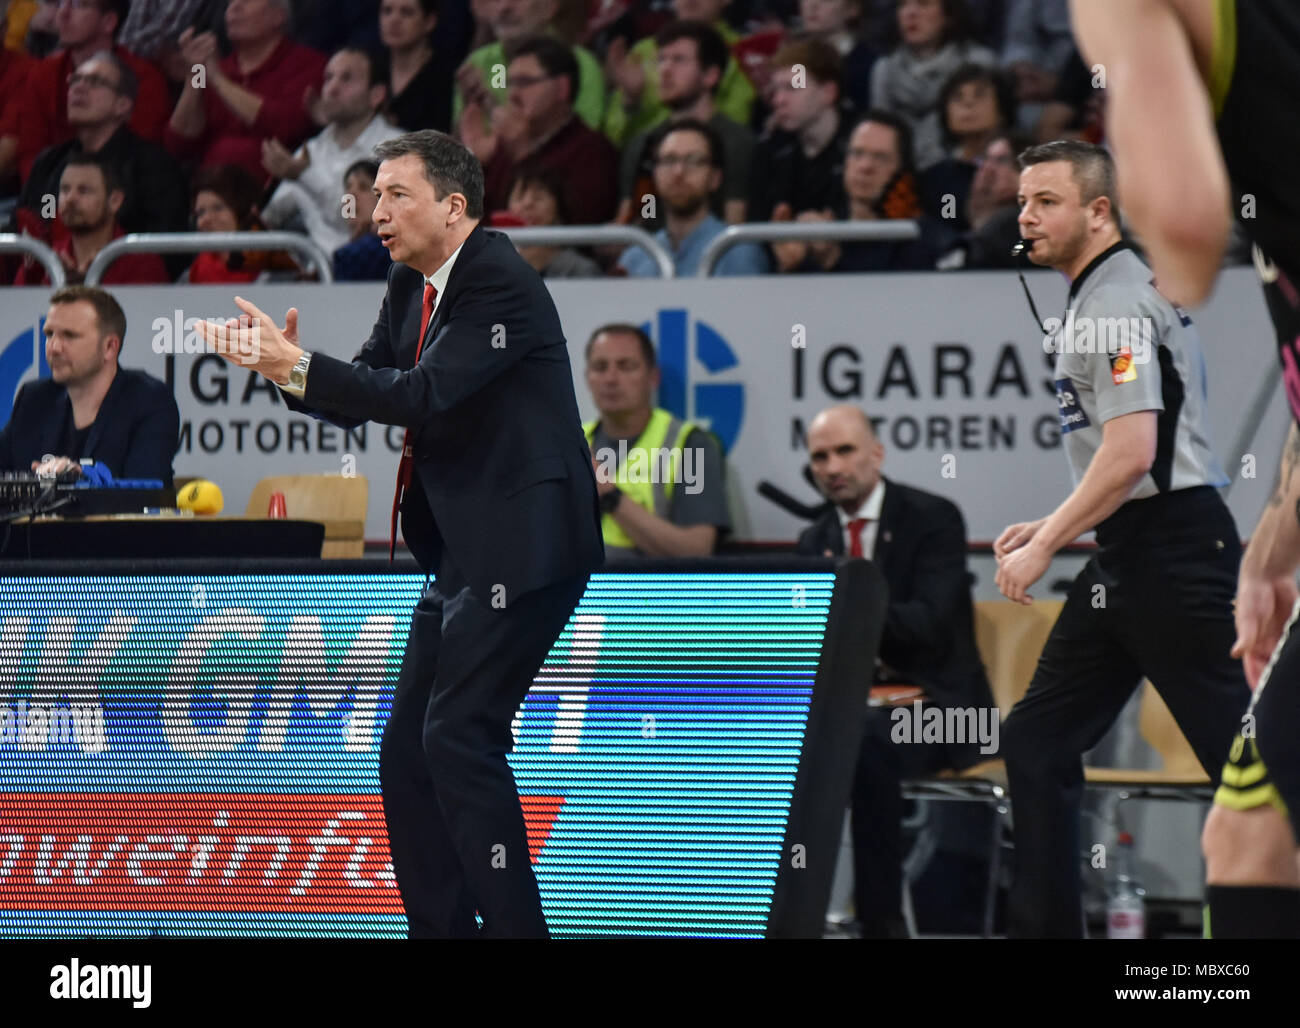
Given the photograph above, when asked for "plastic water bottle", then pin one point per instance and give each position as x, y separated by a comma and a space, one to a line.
1126, 916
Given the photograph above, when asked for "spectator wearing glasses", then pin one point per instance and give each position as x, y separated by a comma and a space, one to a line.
101, 98
258, 92
687, 174
992, 212
691, 60
539, 127
479, 89
636, 105
85, 27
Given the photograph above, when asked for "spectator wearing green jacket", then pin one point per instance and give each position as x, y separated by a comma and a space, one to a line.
482, 77
635, 104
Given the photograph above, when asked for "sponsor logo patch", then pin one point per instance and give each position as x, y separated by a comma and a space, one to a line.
1067, 403
1122, 368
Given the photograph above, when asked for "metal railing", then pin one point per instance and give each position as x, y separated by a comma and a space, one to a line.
199, 242
593, 235
10, 243
805, 231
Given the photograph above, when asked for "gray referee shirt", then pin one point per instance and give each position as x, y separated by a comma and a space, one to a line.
1124, 348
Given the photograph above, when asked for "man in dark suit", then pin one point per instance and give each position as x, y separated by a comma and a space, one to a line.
497, 496
919, 542
90, 406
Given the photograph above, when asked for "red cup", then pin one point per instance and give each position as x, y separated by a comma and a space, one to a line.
276, 507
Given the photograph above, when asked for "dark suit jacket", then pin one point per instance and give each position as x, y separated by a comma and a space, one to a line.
503, 473
136, 431
929, 629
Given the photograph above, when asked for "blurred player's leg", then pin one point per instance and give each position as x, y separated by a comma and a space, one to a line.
1252, 874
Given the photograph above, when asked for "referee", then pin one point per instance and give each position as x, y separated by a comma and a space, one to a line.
1156, 598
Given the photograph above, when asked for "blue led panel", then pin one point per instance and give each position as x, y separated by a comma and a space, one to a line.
198, 754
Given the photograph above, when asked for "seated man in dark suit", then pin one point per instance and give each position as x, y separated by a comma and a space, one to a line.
919, 542
90, 406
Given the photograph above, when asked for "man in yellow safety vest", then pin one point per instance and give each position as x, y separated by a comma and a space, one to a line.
660, 478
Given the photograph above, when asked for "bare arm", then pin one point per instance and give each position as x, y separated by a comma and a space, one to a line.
1266, 589
1173, 184
189, 118
1274, 548
1126, 453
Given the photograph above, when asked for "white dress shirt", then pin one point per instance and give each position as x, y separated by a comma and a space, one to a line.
439, 278
439, 282
869, 509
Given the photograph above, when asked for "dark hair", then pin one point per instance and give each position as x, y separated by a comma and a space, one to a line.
128, 83
238, 190
1004, 95
625, 328
821, 60
365, 166
556, 59
1091, 165
448, 165
956, 28
902, 135
119, 7
710, 48
109, 316
112, 175
376, 63
551, 179
717, 152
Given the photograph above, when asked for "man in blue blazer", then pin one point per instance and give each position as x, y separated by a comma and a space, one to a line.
497, 496
90, 406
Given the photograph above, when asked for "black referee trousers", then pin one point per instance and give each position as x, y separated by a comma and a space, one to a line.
1155, 601
455, 824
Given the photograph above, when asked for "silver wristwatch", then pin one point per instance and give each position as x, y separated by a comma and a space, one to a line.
297, 384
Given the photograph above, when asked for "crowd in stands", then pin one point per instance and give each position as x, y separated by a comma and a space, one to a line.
679, 116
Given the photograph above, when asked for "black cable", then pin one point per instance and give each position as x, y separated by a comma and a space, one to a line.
1020, 251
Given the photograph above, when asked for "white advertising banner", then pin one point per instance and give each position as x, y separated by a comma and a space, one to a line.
947, 365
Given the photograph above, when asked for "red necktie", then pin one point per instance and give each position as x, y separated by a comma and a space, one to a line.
856, 525
406, 464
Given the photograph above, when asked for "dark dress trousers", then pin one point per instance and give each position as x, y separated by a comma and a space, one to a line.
135, 434
929, 641
503, 508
